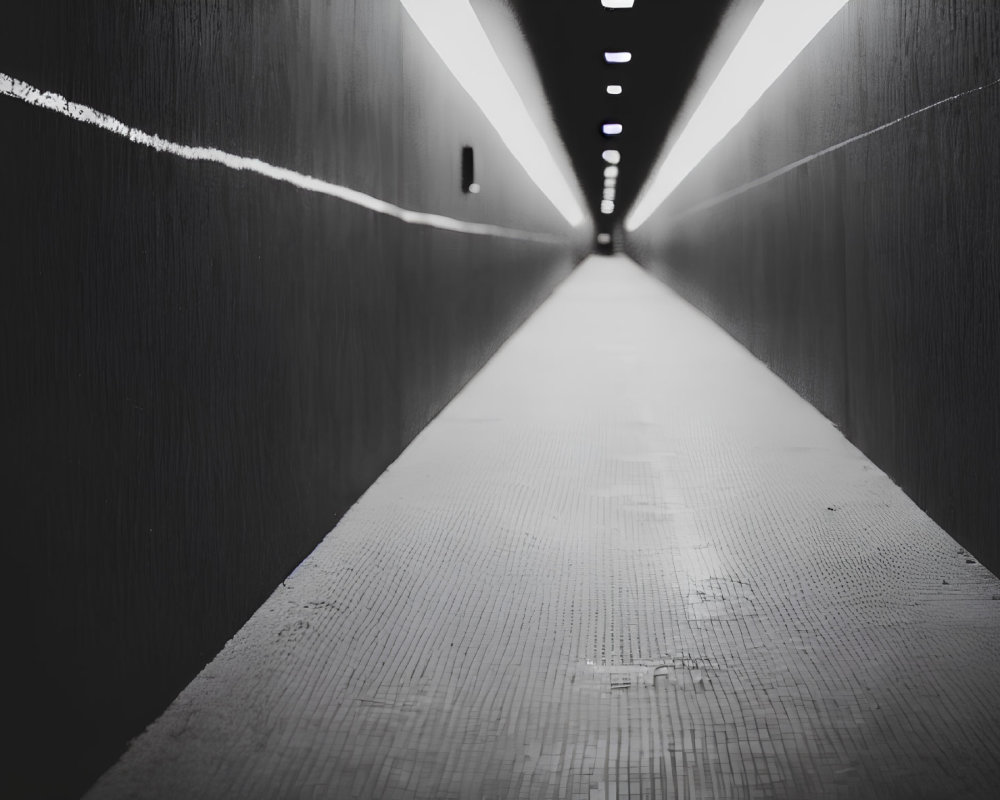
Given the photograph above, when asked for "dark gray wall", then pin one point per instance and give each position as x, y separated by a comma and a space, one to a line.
868, 277
203, 368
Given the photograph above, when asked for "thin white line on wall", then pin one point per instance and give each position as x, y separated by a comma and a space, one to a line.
12, 87
770, 176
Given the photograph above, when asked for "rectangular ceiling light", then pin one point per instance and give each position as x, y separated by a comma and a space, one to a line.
617, 3
610, 183
617, 57
611, 156
779, 31
611, 128
611, 172
607, 206
614, 88
453, 30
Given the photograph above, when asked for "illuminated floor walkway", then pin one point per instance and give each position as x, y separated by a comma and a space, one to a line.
626, 561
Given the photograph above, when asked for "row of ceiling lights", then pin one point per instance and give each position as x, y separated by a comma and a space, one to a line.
612, 157
756, 61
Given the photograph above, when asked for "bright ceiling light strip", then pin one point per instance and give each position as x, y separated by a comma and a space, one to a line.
614, 88
611, 156
454, 31
617, 3
611, 128
779, 31
14, 88
619, 57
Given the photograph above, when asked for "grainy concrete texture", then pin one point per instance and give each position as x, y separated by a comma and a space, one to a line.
626, 561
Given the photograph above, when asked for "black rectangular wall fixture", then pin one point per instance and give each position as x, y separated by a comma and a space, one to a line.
468, 171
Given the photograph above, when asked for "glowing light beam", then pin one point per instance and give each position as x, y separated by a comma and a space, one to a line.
779, 31
453, 30
57, 103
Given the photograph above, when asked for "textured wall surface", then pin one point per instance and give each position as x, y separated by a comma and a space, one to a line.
203, 367
867, 275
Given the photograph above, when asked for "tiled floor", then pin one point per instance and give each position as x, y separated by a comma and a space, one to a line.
626, 561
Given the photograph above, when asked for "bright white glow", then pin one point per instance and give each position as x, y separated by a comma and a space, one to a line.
614, 88
474, 188
611, 128
611, 156
12, 87
779, 31
604, 238
453, 30
609, 194
617, 3
610, 182
617, 57
611, 172
607, 206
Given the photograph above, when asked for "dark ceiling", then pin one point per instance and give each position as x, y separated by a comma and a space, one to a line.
667, 39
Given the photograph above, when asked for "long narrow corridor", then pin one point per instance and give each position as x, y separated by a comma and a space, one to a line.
625, 561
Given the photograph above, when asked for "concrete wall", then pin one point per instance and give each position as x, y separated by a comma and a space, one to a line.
868, 277
203, 368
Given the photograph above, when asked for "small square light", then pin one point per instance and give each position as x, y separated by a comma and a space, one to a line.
607, 207
617, 3
614, 88
611, 172
611, 156
617, 56
611, 128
